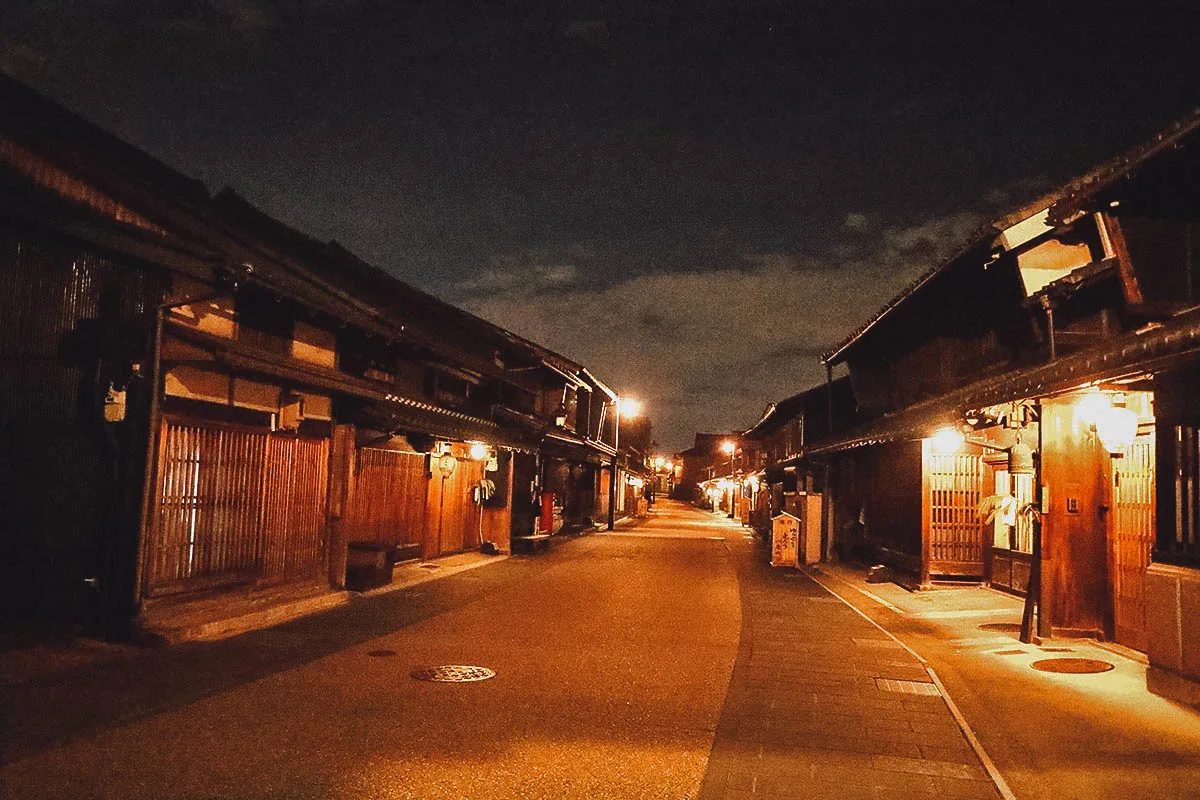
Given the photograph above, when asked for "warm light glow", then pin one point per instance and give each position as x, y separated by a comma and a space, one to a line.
725, 484
946, 441
1091, 407
629, 407
752, 481
659, 462
1117, 428
478, 451
728, 446
668, 465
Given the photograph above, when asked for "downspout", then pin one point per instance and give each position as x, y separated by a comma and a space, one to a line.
1048, 307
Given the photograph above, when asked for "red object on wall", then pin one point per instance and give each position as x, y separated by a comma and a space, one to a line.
546, 522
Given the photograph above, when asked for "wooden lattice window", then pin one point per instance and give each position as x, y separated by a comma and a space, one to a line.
1181, 545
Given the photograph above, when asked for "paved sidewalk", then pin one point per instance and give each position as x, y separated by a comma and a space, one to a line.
823, 704
1053, 736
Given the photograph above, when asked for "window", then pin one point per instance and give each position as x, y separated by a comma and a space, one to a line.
1180, 543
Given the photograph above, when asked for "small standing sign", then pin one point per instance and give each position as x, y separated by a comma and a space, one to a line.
785, 541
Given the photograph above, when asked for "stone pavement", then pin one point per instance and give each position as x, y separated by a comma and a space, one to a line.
1053, 736
823, 704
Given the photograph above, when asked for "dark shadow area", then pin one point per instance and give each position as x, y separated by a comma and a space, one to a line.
45, 712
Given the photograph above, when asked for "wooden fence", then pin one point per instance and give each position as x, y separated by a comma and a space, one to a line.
236, 505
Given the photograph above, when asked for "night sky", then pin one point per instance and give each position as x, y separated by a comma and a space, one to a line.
694, 200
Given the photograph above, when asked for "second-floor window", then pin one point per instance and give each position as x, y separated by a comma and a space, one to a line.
264, 322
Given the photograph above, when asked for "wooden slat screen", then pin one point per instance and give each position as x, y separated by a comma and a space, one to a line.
1133, 539
1182, 545
955, 488
388, 502
236, 505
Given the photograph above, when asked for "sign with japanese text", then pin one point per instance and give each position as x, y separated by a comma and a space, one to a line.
785, 541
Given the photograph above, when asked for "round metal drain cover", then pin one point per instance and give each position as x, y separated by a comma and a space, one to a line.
453, 673
381, 653
1072, 666
1001, 627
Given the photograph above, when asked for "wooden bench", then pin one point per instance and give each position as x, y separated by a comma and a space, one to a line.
531, 544
370, 565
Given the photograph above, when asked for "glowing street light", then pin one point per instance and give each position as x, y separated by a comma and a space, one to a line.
625, 407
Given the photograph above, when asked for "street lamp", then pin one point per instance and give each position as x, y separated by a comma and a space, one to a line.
628, 407
729, 447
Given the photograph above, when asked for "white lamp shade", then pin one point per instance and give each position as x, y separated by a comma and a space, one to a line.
1116, 428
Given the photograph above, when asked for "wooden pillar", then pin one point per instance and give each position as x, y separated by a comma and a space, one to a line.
342, 454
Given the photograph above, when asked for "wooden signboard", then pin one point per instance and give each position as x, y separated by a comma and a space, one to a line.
785, 541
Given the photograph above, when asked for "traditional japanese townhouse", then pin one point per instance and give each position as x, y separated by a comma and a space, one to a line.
205, 403
787, 478
1055, 359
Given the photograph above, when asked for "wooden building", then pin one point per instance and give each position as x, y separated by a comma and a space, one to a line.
1046, 371
205, 403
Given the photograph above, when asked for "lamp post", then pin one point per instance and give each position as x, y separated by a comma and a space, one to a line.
630, 408
729, 447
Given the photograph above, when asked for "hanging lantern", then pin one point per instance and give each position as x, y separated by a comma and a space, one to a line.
1020, 459
1117, 428
447, 464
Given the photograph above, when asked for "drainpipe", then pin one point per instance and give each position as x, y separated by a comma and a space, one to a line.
1048, 307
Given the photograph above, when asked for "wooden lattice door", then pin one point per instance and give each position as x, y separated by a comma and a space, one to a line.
1131, 538
954, 533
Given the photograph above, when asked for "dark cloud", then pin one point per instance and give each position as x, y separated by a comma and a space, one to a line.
708, 349
687, 196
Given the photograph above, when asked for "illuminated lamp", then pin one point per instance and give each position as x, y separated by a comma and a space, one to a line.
629, 407
1117, 428
946, 441
1091, 407
668, 466
728, 446
560, 416
478, 451
753, 483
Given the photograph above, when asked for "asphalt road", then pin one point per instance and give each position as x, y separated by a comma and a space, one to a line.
612, 653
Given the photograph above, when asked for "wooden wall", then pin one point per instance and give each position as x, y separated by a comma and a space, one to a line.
1075, 593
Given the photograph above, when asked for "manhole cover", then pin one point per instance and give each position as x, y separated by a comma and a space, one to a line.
1001, 627
1072, 666
381, 653
453, 673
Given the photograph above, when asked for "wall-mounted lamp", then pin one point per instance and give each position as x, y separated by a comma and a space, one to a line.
478, 451
946, 441
1116, 429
